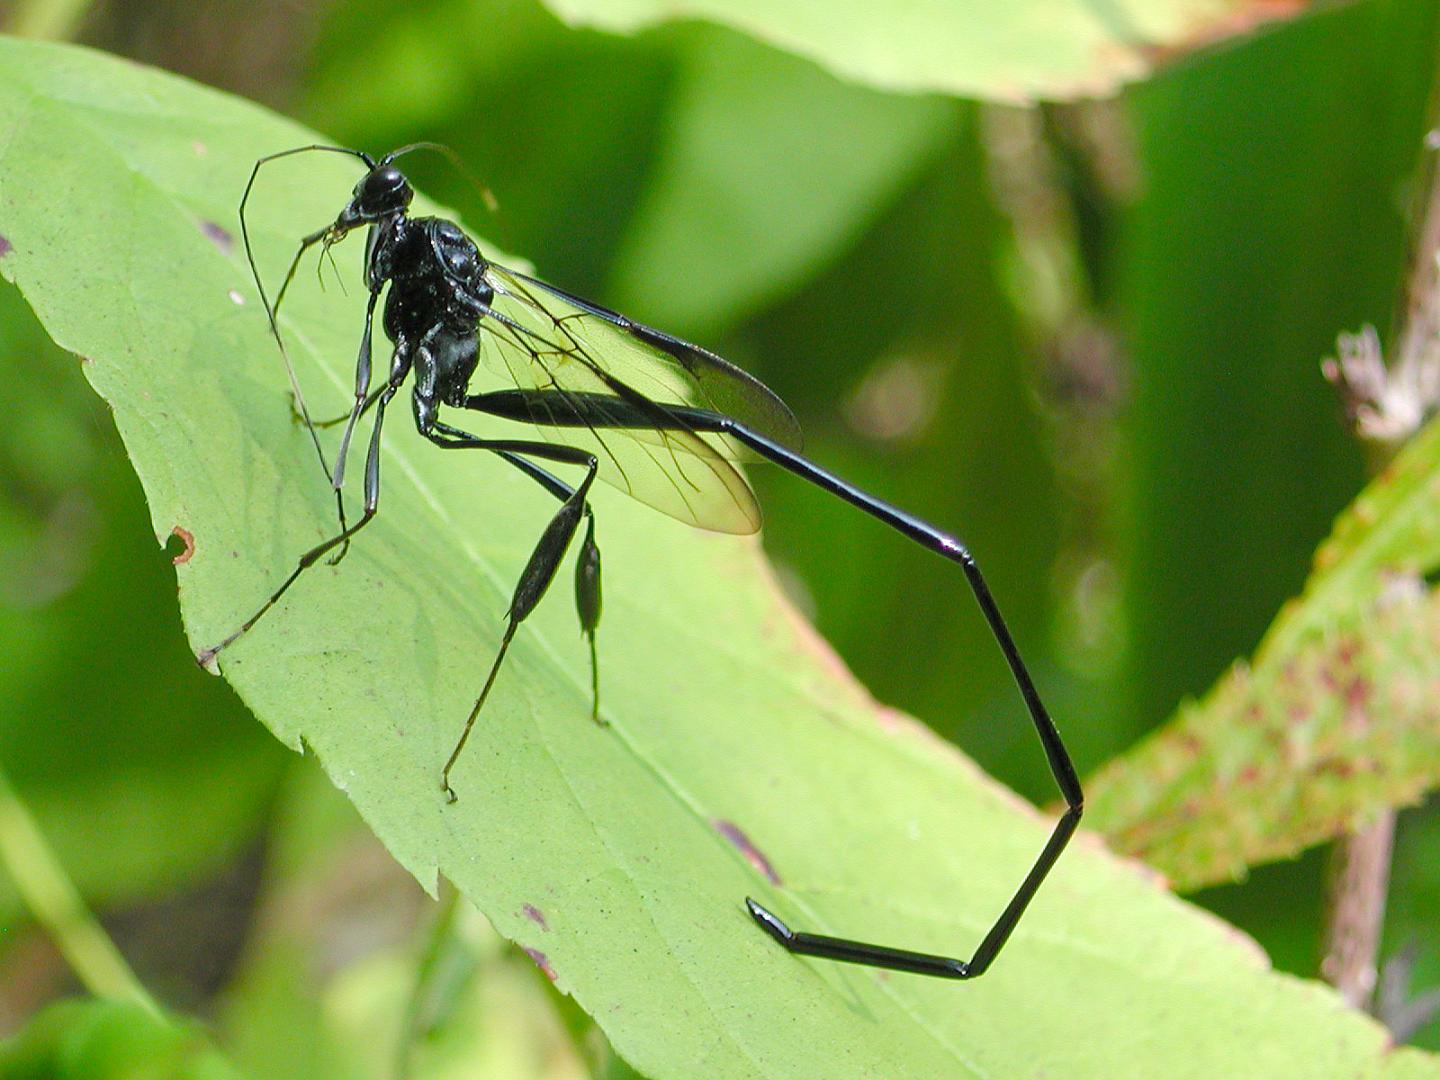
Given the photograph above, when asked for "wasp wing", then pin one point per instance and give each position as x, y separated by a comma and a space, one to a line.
666, 368
598, 365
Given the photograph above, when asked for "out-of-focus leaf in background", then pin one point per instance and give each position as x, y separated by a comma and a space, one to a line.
517, 103
1010, 52
723, 226
1237, 271
104, 1040
1337, 718
909, 372
701, 219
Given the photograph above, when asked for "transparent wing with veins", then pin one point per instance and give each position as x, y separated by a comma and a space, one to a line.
548, 340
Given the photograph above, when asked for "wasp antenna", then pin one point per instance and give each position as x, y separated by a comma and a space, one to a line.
486, 195
271, 311
425, 144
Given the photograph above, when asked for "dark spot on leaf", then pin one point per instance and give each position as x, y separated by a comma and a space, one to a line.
219, 236
542, 962
5, 247
753, 855
1249, 774
1347, 650
536, 916
187, 538
1357, 694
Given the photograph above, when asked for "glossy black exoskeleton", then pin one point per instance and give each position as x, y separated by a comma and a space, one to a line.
655, 415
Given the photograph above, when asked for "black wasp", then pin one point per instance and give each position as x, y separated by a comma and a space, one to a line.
656, 416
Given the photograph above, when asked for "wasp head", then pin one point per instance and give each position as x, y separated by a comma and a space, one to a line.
381, 193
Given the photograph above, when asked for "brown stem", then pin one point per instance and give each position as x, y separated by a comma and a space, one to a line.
1359, 871
1358, 883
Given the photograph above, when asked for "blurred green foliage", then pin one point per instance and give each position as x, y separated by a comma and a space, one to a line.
922, 279
100, 1040
107, 727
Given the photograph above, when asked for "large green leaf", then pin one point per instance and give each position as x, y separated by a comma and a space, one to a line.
727, 716
1015, 51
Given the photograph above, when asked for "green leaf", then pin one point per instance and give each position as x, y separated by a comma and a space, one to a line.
728, 716
1013, 52
108, 1040
1335, 719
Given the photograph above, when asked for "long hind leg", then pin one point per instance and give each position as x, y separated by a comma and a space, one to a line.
544, 561
572, 410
